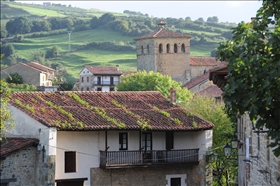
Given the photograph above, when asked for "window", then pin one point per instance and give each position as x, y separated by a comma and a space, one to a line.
82, 88
148, 49
112, 89
169, 140
87, 79
82, 79
175, 48
147, 141
160, 48
99, 89
70, 161
167, 48
111, 80
87, 88
176, 180
142, 50
122, 141
183, 48
98, 80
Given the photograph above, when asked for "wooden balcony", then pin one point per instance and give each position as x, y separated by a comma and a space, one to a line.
121, 159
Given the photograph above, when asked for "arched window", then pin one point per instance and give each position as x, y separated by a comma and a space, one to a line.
175, 48
148, 49
142, 50
160, 48
167, 48
183, 48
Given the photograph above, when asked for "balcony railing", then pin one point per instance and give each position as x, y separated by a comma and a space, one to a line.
105, 82
114, 159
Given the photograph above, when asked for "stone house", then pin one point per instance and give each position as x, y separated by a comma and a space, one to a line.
98, 78
21, 162
257, 165
32, 73
114, 138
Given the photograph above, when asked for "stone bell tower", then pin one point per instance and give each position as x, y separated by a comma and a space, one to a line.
166, 52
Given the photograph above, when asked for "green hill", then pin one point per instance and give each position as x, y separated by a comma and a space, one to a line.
109, 43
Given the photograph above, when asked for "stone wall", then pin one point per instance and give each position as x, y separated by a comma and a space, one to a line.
30, 167
148, 176
261, 157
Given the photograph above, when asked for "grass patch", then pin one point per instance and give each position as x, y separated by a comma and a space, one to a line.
37, 11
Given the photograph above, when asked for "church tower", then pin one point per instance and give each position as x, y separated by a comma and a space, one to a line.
166, 52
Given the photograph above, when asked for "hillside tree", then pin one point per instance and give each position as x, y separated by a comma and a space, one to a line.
153, 81
7, 50
253, 80
20, 25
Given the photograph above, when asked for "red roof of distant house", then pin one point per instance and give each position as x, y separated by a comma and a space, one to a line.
197, 80
163, 33
104, 70
212, 91
9, 145
204, 61
39, 66
88, 110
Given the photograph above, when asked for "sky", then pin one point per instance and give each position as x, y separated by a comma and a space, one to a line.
226, 11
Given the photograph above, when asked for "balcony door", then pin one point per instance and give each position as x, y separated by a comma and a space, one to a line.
147, 146
111, 80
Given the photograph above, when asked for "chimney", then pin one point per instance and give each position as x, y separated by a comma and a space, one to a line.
173, 95
117, 66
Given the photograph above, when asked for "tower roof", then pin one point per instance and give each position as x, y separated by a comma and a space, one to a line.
162, 33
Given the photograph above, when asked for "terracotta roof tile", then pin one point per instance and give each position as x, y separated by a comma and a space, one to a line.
39, 66
9, 145
212, 91
197, 80
104, 70
162, 33
204, 61
66, 113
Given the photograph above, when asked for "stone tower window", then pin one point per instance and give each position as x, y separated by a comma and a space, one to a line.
160, 48
167, 48
175, 48
148, 49
183, 48
142, 50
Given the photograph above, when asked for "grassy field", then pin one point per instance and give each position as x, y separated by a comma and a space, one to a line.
37, 11
75, 61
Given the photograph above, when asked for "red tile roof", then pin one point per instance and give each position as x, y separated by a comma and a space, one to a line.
39, 66
197, 80
9, 145
204, 61
212, 91
100, 110
162, 33
104, 70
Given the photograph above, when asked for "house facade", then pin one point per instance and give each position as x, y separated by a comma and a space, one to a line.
117, 138
98, 78
257, 165
32, 73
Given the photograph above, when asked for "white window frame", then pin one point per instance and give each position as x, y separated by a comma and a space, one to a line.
182, 176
